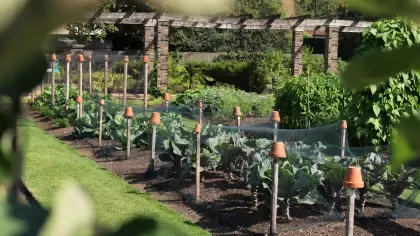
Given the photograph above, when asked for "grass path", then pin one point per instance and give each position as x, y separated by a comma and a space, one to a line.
49, 163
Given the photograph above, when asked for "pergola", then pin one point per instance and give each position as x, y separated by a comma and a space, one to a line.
156, 30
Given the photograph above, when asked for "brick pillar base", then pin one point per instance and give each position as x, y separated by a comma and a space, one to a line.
162, 54
331, 48
297, 51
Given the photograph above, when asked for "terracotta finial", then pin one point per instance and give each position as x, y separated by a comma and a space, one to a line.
201, 104
81, 58
166, 96
102, 102
343, 124
146, 59
278, 150
155, 119
237, 111
68, 57
197, 128
353, 178
275, 117
126, 59
129, 112
89, 58
79, 99
53, 57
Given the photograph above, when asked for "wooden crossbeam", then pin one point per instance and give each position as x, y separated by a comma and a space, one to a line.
176, 20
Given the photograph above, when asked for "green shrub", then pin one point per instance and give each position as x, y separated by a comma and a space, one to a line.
134, 69
326, 97
115, 81
62, 122
46, 112
221, 101
184, 77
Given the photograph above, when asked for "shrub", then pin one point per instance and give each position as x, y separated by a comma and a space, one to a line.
62, 122
135, 67
326, 98
47, 112
115, 81
221, 101
184, 77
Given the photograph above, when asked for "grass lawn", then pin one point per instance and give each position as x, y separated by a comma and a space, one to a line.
49, 163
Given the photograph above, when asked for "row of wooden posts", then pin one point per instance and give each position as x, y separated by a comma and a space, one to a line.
81, 60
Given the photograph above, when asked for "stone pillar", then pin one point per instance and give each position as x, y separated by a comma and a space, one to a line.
149, 47
331, 48
297, 51
162, 54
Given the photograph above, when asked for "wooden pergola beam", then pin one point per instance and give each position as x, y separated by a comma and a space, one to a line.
176, 20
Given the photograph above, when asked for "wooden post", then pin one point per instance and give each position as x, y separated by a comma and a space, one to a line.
53, 59
68, 59
146, 74
275, 131
351, 196
125, 81
275, 118
197, 130
201, 113
81, 60
277, 151
343, 138
90, 74
77, 111
106, 76
155, 120
237, 112
129, 115
101, 111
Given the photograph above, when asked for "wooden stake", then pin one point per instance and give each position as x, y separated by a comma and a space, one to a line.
77, 110
343, 141
106, 78
275, 131
67, 81
80, 78
197, 169
53, 82
351, 196
275, 187
101, 111
167, 106
128, 138
90, 76
125, 84
201, 116
152, 161
239, 123
146, 74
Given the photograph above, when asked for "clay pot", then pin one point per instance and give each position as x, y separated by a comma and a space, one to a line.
129, 112
146, 59
102, 102
106, 58
201, 104
81, 58
343, 124
89, 58
275, 117
278, 150
79, 99
353, 178
126, 59
68, 57
155, 119
166, 96
197, 128
237, 111
53, 57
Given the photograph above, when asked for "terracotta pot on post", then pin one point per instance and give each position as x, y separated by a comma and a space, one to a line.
79, 105
155, 120
166, 98
352, 181
125, 81
237, 113
343, 126
275, 118
277, 152
101, 111
146, 82
129, 115
68, 60
197, 130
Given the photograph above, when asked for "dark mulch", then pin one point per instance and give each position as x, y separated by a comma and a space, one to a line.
225, 207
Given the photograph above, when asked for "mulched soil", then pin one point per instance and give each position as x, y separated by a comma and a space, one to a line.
226, 206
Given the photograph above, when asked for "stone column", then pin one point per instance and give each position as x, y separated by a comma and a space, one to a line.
149, 47
162, 54
331, 48
297, 51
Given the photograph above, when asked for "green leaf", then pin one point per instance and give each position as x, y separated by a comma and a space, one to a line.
373, 88
409, 8
375, 67
376, 110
